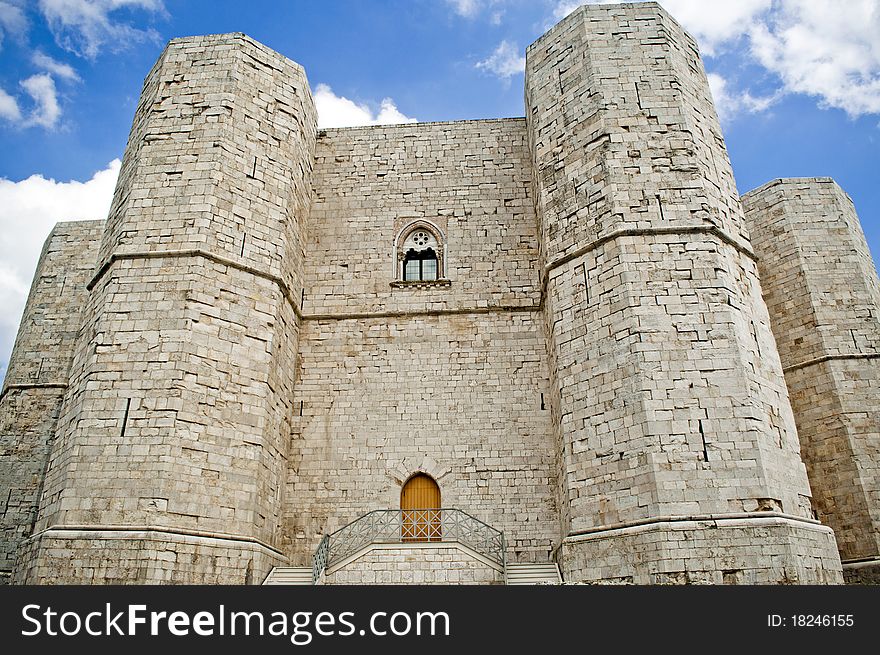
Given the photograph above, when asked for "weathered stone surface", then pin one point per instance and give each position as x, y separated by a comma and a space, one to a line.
668, 394
824, 299
142, 557
37, 376
415, 564
177, 416
241, 367
721, 550
448, 381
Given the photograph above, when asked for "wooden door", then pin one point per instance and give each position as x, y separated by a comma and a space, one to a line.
420, 509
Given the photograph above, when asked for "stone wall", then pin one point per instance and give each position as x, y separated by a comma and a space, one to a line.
470, 179
747, 549
443, 379
37, 376
415, 564
668, 389
824, 298
143, 556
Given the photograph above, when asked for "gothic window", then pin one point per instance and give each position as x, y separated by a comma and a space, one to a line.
420, 265
420, 257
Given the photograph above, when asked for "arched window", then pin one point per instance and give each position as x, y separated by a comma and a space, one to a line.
420, 265
420, 256
420, 509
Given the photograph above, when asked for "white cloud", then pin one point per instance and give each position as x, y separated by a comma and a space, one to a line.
729, 102
507, 60
338, 111
494, 9
719, 24
62, 70
826, 49
466, 8
9, 107
84, 27
28, 210
46, 111
12, 20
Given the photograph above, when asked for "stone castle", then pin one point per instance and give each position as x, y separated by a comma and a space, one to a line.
472, 351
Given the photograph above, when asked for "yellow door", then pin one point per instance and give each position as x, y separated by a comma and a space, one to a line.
420, 509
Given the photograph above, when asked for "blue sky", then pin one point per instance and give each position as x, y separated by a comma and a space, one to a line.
797, 84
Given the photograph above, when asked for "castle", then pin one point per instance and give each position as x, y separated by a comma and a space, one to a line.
461, 352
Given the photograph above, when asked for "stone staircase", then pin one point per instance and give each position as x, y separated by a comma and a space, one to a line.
520, 574
289, 575
517, 574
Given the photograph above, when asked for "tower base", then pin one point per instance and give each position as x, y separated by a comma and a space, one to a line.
730, 549
142, 555
862, 571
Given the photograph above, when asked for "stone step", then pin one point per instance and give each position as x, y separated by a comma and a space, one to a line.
289, 575
532, 574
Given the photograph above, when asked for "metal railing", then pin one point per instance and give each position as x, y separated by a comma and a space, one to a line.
387, 526
319, 561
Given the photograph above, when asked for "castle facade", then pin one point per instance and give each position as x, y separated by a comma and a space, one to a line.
438, 352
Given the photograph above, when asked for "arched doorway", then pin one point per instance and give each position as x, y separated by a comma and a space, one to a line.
420, 509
